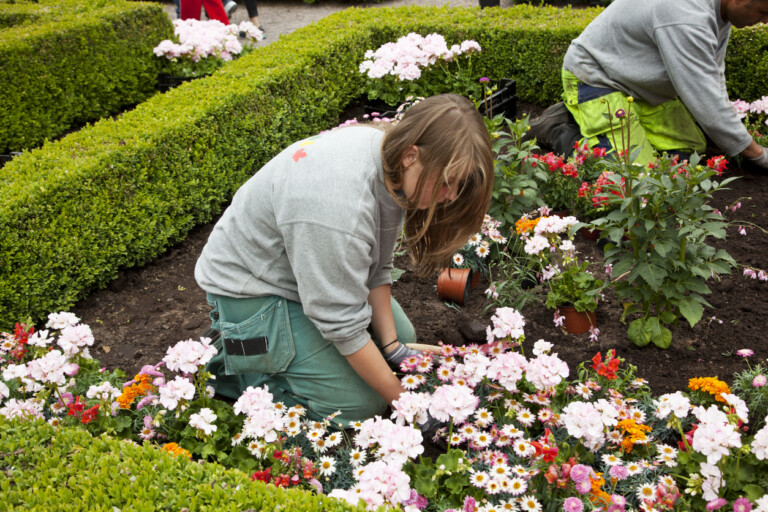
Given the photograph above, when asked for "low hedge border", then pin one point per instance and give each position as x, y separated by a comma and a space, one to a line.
46, 468
120, 192
67, 64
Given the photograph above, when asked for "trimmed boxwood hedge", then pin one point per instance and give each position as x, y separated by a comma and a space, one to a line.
66, 469
120, 192
70, 62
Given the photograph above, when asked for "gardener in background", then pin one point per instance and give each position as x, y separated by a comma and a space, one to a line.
298, 268
669, 56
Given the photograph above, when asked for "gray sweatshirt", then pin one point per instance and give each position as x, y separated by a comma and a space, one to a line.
657, 50
315, 225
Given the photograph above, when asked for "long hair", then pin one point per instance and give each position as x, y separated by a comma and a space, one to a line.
453, 147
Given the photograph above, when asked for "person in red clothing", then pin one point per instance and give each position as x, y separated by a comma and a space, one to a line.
190, 9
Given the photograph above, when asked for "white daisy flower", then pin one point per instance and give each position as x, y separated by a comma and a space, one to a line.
529, 504
326, 466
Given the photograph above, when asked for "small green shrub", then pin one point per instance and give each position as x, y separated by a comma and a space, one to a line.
65, 65
46, 468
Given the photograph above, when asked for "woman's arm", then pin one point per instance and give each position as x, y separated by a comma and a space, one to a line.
382, 321
373, 369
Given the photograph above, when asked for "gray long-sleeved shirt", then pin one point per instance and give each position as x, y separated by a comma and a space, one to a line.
315, 225
658, 50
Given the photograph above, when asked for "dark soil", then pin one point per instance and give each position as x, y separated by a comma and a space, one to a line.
145, 310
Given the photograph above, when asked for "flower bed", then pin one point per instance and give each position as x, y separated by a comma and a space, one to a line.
524, 432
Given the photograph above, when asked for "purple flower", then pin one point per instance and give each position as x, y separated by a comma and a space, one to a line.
742, 505
416, 500
619, 472
573, 504
580, 473
716, 504
484, 80
620, 113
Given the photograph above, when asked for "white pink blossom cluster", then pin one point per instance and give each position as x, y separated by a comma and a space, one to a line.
395, 443
189, 355
178, 390
377, 483
546, 235
507, 323
743, 108
201, 39
755, 274
587, 421
263, 419
406, 57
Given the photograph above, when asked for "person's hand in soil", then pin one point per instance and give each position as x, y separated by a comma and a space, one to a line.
402, 352
761, 160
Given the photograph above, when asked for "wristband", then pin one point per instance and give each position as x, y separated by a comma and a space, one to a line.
390, 343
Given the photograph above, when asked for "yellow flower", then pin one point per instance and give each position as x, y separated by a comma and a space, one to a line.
711, 385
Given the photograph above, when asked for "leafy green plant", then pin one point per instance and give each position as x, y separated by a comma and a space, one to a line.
445, 480
515, 277
575, 286
515, 191
658, 229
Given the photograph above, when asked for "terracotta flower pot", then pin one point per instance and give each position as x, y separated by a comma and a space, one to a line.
577, 322
475, 279
454, 284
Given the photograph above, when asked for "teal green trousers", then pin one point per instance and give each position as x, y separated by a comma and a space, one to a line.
299, 366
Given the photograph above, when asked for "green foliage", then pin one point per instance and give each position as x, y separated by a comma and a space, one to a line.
745, 61
67, 469
659, 230
515, 187
445, 480
120, 192
71, 64
576, 286
754, 393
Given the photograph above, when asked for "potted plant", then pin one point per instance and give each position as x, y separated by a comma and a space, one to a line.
572, 290
417, 65
200, 48
470, 261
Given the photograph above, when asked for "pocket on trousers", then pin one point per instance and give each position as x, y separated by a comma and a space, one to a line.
244, 342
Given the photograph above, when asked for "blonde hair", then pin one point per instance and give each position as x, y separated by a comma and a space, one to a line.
453, 144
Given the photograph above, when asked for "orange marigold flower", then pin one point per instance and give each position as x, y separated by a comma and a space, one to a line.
711, 385
597, 496
633, 432
142, 386
176, 450
525, 225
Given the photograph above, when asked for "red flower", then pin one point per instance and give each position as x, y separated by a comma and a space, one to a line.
90, 414
718, 163
76, 407
609, 368
263, 476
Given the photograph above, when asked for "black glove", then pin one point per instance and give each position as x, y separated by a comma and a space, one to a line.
761, 160
400, 354
429, 430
